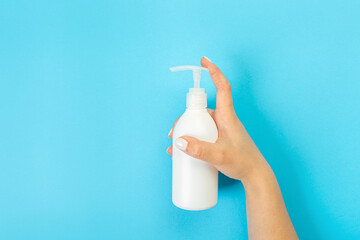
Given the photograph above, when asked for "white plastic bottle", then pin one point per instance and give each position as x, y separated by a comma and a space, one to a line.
194, 182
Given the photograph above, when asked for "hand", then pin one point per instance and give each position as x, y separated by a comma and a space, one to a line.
234, 153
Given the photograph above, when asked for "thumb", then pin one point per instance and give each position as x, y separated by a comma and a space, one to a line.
206, 151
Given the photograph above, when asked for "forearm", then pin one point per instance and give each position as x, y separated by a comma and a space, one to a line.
266, 212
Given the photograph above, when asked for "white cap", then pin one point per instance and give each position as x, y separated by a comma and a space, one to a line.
196, 97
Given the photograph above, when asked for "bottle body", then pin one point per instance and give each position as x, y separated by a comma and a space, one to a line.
195, 182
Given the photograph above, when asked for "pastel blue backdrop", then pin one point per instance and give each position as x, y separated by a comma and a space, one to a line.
87, 101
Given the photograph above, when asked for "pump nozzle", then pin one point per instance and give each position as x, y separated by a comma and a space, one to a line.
196, 72
196, 98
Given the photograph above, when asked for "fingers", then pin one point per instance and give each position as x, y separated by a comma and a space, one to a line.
209, 152
169, 150
170, 135
223, 87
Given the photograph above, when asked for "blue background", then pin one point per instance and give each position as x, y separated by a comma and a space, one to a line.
87, 101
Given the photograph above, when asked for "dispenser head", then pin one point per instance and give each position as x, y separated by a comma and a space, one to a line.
196, 72
196, 97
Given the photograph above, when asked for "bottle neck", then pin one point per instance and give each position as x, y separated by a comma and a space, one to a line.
196, 110
196, 99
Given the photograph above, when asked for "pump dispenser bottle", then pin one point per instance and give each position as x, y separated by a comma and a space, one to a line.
194, 182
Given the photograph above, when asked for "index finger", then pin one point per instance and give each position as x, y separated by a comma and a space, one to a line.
223, 88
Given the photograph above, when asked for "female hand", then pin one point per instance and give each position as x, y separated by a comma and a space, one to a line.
234, 153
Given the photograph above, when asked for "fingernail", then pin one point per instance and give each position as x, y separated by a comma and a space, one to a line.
169, 133
181, 144
207, 59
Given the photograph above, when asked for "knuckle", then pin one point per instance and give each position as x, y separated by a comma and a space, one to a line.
213, 71
197, 151
227, 86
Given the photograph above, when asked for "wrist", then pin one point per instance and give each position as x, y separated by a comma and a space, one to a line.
259, 175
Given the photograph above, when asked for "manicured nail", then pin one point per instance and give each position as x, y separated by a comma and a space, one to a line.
168, 150
207, 59
181, 144
169, 132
